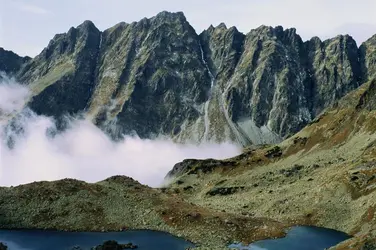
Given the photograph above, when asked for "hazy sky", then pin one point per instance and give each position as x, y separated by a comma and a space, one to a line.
26, 26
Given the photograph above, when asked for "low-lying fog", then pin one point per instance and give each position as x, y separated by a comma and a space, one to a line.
83, 151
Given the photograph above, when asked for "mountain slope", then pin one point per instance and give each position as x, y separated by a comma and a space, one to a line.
120, 203
325, 173
158, 78
62, 76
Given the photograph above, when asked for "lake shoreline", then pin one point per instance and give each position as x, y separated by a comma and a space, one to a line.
62, 240
127, 233
120, 202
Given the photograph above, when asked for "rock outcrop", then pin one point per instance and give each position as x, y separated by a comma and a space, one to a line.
62, 76
10, 63
114, 245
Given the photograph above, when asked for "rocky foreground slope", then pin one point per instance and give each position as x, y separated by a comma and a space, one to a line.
120, 203
158, 77
325, 175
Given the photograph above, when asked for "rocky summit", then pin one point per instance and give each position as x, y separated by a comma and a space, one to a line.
159, 78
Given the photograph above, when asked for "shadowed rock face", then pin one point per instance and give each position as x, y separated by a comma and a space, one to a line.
3, 247
62, 76
10, 62
158, 77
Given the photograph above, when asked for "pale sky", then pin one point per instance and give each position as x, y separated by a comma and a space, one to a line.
26, 26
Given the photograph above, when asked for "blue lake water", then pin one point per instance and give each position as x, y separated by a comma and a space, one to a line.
54, 240
299, 238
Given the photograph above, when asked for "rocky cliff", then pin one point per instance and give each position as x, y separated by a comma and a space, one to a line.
159, 78
10, 62
325, 173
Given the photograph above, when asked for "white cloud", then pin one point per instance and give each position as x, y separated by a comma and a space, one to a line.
33, 9
12, 97
84, 151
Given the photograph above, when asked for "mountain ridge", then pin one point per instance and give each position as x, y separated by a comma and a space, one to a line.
219, 85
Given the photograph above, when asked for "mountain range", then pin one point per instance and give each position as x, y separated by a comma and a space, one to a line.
312, 102
158, 78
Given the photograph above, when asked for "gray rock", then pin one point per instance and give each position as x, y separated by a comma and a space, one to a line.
11, 63
159, 78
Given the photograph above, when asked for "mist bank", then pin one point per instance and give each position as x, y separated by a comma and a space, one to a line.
32, 149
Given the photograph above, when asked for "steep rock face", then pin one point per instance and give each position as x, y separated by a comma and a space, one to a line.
222, 48
273, 84
367, 100
157, 77
334, 68
10, 62
221, 51
62, 76
368, 57
151, 79
268, 88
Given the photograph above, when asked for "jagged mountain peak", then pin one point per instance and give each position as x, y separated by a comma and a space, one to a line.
221, 26
342, 38
264, 32
371, 42
163, 17
158, 77
170, 15
87, 25
210, 29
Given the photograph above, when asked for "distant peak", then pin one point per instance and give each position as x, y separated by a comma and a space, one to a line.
315, 40
221, 26
342, 38
291, 30
278, 31
171, 15
2, 50
87, 25
279, 28
372, 40
348, 37
233, 28
263, 28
